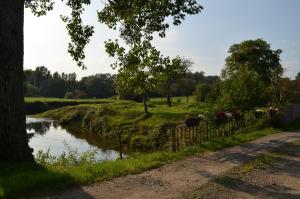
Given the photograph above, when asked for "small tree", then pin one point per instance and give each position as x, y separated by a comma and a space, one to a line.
138, 21
135, 68
202, 92
173, 70
187, 87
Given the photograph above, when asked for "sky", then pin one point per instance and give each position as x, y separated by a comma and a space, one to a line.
204, 38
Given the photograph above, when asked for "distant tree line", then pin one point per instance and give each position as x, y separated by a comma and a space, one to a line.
42, 83
252, 77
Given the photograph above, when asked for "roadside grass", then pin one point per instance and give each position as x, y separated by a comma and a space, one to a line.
24, 180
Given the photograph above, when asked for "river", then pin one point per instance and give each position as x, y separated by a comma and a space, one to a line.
47, 134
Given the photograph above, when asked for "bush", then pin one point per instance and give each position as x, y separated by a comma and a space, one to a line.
80, 94
69, 95
202, 91
140, 142
31, 91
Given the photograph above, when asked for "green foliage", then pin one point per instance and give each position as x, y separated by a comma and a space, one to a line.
170, 72
244, 90
255, 55
202, 92
110, 114
53, 88
139, 142
69, 95
251, 76
297, 78
80, 34
39, 7
140, 19
31, 91
69, 158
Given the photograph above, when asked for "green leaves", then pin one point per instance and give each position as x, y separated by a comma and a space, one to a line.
39, 7
135, 66
140, 19
80, 34
141, 66
257, 55
251, 75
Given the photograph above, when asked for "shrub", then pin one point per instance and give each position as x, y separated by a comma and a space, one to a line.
202, 91
69, 95
140, 142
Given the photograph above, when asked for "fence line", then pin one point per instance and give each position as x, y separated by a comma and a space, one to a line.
182, 136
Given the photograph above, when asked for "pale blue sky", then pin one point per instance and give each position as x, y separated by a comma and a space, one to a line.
204, 38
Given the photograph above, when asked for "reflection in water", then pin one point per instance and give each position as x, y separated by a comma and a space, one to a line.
45, 134
40, 128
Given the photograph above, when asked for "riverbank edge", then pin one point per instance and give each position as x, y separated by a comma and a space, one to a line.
47, 179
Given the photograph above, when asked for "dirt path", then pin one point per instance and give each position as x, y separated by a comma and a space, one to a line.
277, 178
176, 179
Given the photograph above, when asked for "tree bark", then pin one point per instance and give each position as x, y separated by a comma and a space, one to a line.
13, 138
145, 104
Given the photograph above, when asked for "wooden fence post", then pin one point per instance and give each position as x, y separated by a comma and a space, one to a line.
173, 139
120, 146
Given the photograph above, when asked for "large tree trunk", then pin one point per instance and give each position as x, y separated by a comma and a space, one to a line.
13, 139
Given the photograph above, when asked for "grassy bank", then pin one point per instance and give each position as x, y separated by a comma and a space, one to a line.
22, 180
35, 105
127, 117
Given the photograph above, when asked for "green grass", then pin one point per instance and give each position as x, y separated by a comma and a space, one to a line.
23, 180
49, 99
261, 162
127, 117
131, 113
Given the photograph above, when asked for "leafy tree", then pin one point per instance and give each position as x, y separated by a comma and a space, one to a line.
215, 91
80, 94
139, 20
41, 74
134, 13
136, 68
187, 87
171, 71
202, 91
251, 75
31, 90
99, 85
244, 90
53, 88
69, 95
297, 77
255, 55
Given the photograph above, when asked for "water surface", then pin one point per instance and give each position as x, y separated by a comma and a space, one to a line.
46, 134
